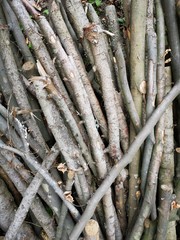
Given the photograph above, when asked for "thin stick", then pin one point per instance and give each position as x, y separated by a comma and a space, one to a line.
127, 158
29, 196
46, 176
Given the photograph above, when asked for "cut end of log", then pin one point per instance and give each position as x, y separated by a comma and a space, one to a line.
29, 69
92, 230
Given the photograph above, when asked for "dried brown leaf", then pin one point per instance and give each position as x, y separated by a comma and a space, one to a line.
91, 33
62, 167
175, 205
68, 196
59, 183
138, 194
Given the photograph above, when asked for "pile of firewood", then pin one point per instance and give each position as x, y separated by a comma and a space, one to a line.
90, 131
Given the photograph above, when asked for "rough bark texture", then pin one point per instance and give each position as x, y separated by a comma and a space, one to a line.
90, 136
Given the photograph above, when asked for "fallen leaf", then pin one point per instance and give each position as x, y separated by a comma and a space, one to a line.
62, 167
175, 205
68, 196
138, 194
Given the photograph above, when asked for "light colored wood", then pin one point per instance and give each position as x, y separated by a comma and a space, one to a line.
92, 230
29, 69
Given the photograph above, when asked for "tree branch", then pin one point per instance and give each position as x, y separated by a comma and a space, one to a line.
127, 158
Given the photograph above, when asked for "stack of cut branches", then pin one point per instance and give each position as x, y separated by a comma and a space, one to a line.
88, 147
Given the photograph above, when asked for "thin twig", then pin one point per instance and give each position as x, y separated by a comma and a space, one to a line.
29, 196
127, 158
46, 176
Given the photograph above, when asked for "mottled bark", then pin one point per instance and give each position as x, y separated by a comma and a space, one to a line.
93, 80
137, 75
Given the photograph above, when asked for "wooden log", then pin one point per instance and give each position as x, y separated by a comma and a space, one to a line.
92, 230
